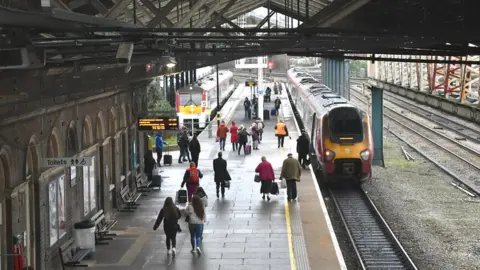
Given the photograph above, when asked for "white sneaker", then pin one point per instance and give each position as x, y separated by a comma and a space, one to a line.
174, 251
199, 251
169, 251
193, 251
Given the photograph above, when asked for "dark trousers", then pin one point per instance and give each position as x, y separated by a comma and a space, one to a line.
260, 136
159, 156
234, 146
248, 113
302, 158
183, 154
195, 158
281, 139
220, 187
171, 238
291, 189
240, 145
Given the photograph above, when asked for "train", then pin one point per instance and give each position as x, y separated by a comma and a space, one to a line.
195, 102
341, 143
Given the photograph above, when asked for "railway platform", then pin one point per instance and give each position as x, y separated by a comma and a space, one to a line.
242, 230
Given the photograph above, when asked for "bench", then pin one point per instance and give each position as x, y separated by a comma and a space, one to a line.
70, 256
129, 201
142, 185
102, 227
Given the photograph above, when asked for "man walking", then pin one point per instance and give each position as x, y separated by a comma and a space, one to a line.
303, 146
221, 174
281, 132
291, 172
248, 111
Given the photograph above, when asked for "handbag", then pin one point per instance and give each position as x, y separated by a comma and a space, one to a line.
257, 178
217, 139
227, 184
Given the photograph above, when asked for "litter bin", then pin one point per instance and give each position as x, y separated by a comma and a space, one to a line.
85, 235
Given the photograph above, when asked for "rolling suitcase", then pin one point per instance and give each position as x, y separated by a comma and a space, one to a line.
167, 159
266, 115
181, 196
248, 149
273, 112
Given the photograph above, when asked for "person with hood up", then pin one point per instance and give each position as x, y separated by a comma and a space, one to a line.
234, 136
159, 143
149, 162
183, 141
191, 178
170, 214
222, 132
267, 175
195, 149
303, 146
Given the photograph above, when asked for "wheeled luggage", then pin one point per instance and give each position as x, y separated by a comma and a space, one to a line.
266, 115
273, 112
167, 159
156, 181
248, 149
274, 190
181, 196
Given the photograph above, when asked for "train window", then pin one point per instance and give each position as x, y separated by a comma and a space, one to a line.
346, 123
190, 99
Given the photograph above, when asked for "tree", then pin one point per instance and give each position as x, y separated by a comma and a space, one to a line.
157, 102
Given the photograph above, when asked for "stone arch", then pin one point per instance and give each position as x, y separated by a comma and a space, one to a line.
100, 126
123, 116
71, 145
5, 167
112, 121
54, 146
87, 135
32, 164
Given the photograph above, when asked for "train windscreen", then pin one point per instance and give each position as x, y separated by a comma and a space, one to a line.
346, 125
190, 99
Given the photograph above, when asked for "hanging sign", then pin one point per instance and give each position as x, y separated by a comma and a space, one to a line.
157, 123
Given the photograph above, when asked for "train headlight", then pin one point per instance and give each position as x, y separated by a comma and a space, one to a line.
329, 155
365, 154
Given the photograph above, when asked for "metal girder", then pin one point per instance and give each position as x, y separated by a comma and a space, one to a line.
161, 14
335, 12
264, 20
289, 13
243, 8
194, 9
98, 6
117, 9
219, 14
209, 13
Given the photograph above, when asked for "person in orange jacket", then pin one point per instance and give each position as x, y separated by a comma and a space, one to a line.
222, 134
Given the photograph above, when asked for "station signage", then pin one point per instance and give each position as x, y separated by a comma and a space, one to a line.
157, 123
68, 161
250, 83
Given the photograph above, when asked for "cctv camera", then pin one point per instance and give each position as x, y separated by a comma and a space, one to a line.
127, 69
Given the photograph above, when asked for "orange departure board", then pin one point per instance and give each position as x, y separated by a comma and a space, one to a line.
157, 123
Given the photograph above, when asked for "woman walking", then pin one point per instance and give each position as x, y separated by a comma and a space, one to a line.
234, 136
192, 179
266, 174
196, 219
242, 139
170, 215
255, 136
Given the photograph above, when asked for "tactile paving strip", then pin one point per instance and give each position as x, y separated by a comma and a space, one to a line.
299, 245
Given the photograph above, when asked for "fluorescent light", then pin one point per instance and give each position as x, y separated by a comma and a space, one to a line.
171, 65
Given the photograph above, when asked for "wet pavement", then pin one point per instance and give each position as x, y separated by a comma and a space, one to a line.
242, 230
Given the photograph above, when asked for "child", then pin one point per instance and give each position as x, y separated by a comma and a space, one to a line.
203, 196
197, 218
170, 215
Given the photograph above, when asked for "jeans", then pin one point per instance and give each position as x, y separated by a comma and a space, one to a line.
248, 113
183, 153
196, 232
222, 143
240, 145
291, 189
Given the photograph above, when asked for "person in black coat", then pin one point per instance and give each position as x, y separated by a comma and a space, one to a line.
150, 163
221, 174
170, 214
195, 149
303, 146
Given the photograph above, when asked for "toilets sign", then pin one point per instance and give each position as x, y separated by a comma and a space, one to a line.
67, 162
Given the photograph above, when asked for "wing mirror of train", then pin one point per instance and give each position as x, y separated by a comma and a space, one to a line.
329, 155
365, 154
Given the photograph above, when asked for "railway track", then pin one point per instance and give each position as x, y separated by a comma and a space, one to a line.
454, 158
374, 242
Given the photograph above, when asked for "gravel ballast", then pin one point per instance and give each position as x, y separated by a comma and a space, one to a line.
436, 223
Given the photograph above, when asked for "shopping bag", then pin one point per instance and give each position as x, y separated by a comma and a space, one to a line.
257, 178
283, 183
217, 139
227, 184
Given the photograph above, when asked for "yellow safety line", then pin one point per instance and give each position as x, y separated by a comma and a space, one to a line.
293, 265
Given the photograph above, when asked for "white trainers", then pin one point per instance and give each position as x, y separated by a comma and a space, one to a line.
174, 251
193, 251
199, 251
169, 252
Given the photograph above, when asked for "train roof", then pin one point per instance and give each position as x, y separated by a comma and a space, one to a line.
321, 97
207, 82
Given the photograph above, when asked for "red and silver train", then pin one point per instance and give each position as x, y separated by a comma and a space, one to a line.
340, 133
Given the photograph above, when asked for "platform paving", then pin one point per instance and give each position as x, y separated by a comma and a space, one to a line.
242, 232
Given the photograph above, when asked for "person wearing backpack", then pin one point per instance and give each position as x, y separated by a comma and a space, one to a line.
170, 214
192, 178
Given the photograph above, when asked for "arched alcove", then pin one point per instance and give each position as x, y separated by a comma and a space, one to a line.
87, 132
72, 140
33, 156
5, 168
54, 146
123, 116
99, 126
112, 121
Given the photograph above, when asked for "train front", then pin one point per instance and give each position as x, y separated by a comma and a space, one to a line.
347, 145
191, 106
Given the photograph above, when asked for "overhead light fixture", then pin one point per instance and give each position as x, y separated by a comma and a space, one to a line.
171, 65
169, 61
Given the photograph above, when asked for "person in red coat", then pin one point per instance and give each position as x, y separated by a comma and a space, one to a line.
234, 136
266, 174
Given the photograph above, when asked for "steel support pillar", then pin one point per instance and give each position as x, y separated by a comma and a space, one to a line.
177, 81
187, 77
194, 75
260, 88
377, 125
191, 76
182, 79
171, 93
336, 75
